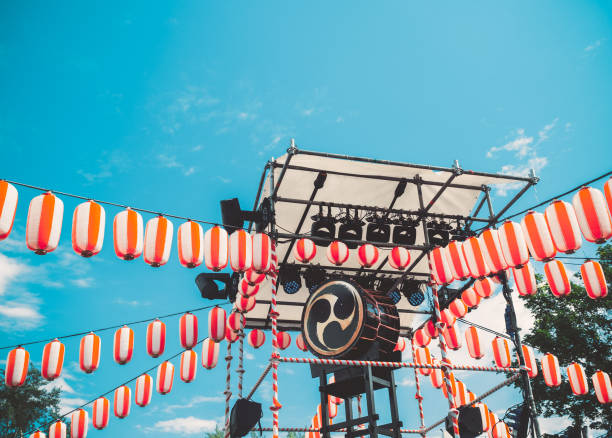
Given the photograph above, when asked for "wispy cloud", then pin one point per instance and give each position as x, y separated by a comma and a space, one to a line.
195, 401
133, 303
105, 167
171, 162
594, 45
185, 426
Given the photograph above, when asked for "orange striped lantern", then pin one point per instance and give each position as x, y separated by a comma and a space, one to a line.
245, 304
127, 231
557, 278
282, 340
458, 308
400, 345
57, 430
79, 421
453, 385
8, 207
216, 248
89, 353
461, 397
123, 345
256, 338
337, 253
253, 278
44, 224
501, 430
422, 356
430, 329
513, 244
156, 338
577, 379
563, 226
236, 321
305, 250
17, 364
608, 193
493, 420
421, 338
537, 235
447, 317
210, 353
501, 352
472, 252
484, 415
524, 279
189, 361
491, 250
530, 361
248, 290
550, 370
593, 215
436, 376
52, 360
440, 267
399, 258
38, 434
603, 389
165, 374
122, 403
88, 228
452, 337
231, 336
188, 330
216, 324
470, 298
367, 255
190, 244
262, 253
332, 410
299, 342
473, 343
240, 251
144, 390
456, 261
158, 241
333, 399
594, 280
484, 287
100, 413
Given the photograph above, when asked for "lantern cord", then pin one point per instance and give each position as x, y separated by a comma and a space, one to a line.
112, 327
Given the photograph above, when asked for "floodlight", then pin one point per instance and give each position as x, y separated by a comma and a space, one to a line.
290, 280
323, 229
314, 276
350, 229
208, 284
438, 233
411, 289
378, 232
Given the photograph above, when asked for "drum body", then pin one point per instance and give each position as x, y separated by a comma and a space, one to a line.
343, 320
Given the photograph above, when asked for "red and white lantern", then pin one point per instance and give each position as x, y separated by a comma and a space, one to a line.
440, 267
492, 251
123, 345
253, 278
603, 388
256, 338
144, 390
89, 353
122, 402
190, 242
216, 248
461, 397
216, 324
453, 386
262, 253
530, 361
537, 235
248, 290
484, 287
337, 253
484, 415
501, 430
577, 379
240, 251
563, 226
399, 258
189, 361
305, 250
236, 321
593, 215
79, 420
524, 279
88, 228
17, 364
188, 330
608, 193
473, 343
158, 241
299, 342
513, 244
447, 317
557, 278
594, 280
458, 308
8, 207
550, 370
367, 255
400, 345
422, 356
282, 340
430, 328
456, 260
210, 353
245, 304
501, 352
436, 376
452, 337
421, 338
333, 399
100, 413
127, 234
38, 434
470, 297
472, 252
44, 224
52, 360
57, 430
156, 338
231, 336
165, 375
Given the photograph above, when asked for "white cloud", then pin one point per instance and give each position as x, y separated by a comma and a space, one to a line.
197, 148
186, 425
406, 381
20, 311
339, 119
10, 270
194, 402
307, 112
133, 303
82, 282
168, 161
553, 425
594, 45
249, 356
189, 171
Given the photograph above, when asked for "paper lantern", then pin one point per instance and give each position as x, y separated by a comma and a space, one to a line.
158, 241
240, 251
491, 250
550, 370
188, 330
484, 415
262, 253
57, 430
100, 413
513, 244
484, 287
474, 258
453, 385
256, 338
530, 361
421, 338
79, 420
127, 234
144, 390
123, 345
216, 248
577, 379
38, 434
436, 376
447, 317
17, 364
282, 340
493, 420
461, 397
216, 324
165, 374
89, 353
189, 361
603, 388
608, 193
245, 304
210, 353
557, 278
470, 298
399, 258
452, 337
246, 289
400, 345
524, 279
456, 260
44, 224
190, 244
52, 360
299, 342
422, 356
473, 343
563, 226
337, 253
430, 329
156, 338
236, 321
458, 308
253, 278
8, 207
333, 399
537, 235
594, 280
122, 403
230, 335
592, 214
440, 267
305, 250
501, 352
367, 255
501, 430
88, 228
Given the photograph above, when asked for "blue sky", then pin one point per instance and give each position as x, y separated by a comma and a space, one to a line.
174, 106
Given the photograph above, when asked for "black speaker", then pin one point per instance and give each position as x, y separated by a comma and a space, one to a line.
470, 422
245, 415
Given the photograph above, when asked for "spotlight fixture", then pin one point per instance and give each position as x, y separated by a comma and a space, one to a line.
289, 277
350, 229
378, 230
365, 281
323, 228
411, 289
404, 232
208, 283
233, 217
314, 276
438, 233
385, 284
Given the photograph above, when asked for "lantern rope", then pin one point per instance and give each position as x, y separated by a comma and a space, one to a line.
228, 392
418, 396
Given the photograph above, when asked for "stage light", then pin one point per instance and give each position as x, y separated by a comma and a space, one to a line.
323, 229
365, 281
314, 276
290, 280
404, 233
233, 217
385, 284
350, 229
438, 233
411, 289
208, 284
378, 231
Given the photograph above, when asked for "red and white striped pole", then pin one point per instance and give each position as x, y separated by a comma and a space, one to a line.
274, 359
228, 392
418, 395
